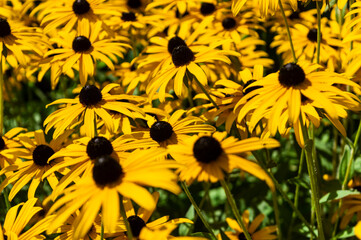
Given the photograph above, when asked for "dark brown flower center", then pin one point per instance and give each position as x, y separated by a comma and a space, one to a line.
295, 15
41, 154
182, 55
106, 171
207, 8
90, 95
291, 75
136, 225
207, 149
134, 4
241, 236
175, 42
99, 146
228, 23
312, 35
5, 29
129, 17
2, 143
161, 131
81, 7
81, 44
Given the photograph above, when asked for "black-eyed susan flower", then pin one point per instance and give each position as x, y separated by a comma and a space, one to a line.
111, 177
90, 105
305, 42
357, 230
207, 158
71, 13
84, 48
266, 233
17, 220
139, 221
288, 88
81, 155
184, 61
15, 38
172, 129
35, 165
10, 147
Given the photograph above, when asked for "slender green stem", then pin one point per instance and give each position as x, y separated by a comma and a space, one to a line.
206, 93
234, 207
206, 192
349, 165
311, 166
288, 31
297, 192
284, 195
102, 230
198, 210
318, 31
277, 214
1, 96
125, 219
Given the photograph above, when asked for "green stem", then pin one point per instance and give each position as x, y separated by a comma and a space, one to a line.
125, 219
288, 30
206, 93
234, 207
283, 194
206, 192
1, 96
318, 31
297, 192
349, 165
198, 210
102, 230
277, 214
311, 166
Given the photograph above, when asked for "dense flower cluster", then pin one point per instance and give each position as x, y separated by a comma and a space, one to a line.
177, 92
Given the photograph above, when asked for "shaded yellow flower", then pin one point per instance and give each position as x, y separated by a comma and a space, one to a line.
266, 233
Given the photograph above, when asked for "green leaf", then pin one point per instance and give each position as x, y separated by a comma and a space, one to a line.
357, 164
344, 234
337, 195
344, 163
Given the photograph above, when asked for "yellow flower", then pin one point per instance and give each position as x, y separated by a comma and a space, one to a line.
16, 221
78, 12
208, 158
266, 233
16, 38
289, 90
10, 147
37, 155
91, 104
85, 48
110, 178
